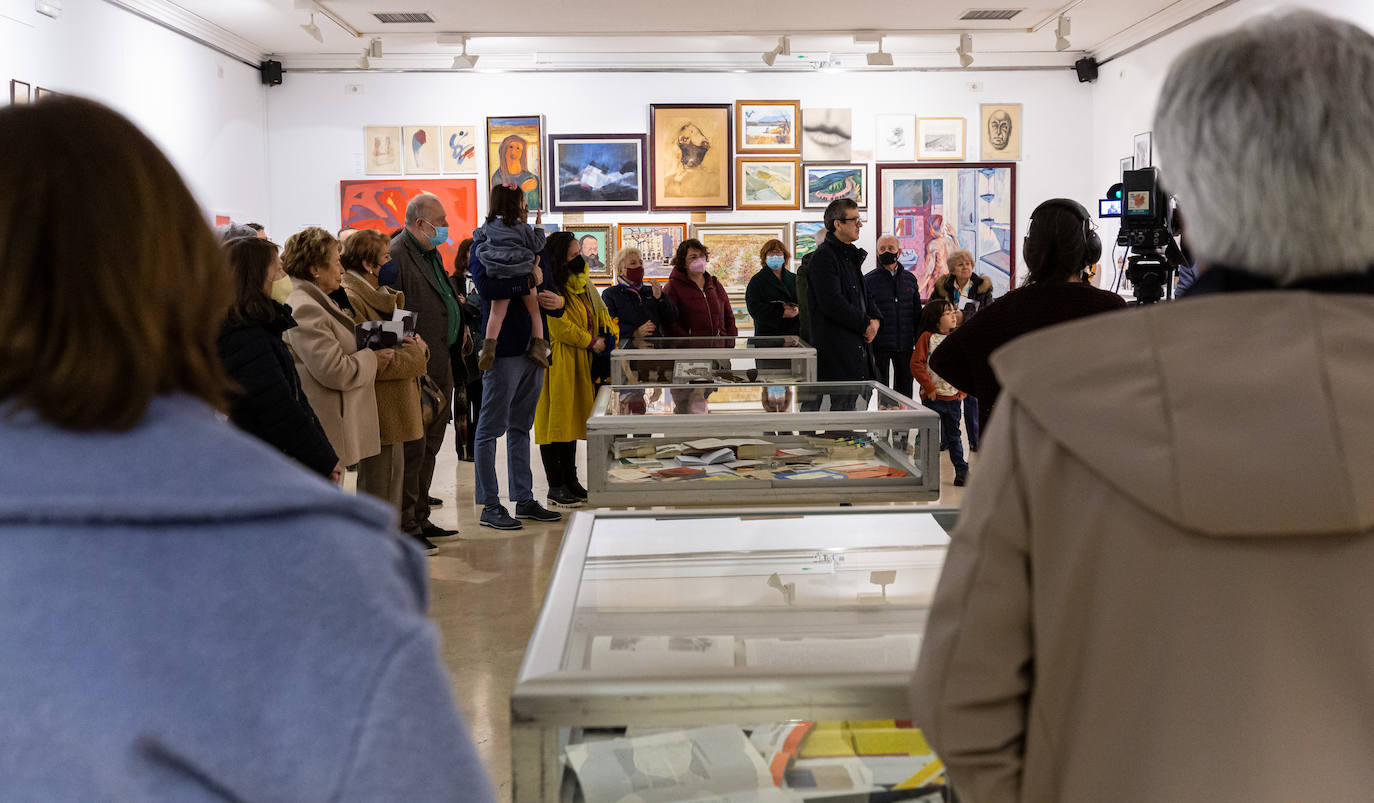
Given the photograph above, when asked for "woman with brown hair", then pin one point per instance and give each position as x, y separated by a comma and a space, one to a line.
269, 402
398, 384
338, 377
772, 293
703, 306
163, 570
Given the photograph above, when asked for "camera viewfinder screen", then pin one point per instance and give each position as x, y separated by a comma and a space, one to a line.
1109, 207
1138, 202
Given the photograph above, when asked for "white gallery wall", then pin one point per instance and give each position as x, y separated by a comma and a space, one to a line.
315, 123
206, 111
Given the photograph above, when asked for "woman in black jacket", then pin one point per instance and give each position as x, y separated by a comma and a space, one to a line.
269, 402
772, 293
639, 309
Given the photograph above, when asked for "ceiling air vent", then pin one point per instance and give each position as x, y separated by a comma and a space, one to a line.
405, 16
985, 14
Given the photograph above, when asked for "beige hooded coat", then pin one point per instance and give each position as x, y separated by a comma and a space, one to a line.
1163, 587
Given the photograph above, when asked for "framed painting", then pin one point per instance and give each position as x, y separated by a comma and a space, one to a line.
1000, 131
940, 139
382, 150
421, 149
827, 135
734, 249
597, 172
935, 209
806, 235
513, 154
381, 204
690, 156
598, 248
19, 92
767, 182
656, 241
895, 138
768, 126
39, 93
831, 182
1127, 163
1144, 156
458, 149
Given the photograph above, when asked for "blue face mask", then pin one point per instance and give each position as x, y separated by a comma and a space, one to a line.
773, 262
440, 235
387, 275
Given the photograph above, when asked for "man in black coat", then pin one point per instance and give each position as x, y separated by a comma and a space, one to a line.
844, 320
894, 292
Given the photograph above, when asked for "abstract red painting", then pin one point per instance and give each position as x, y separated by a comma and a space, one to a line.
381, 204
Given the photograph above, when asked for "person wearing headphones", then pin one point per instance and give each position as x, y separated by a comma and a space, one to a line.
1059, 247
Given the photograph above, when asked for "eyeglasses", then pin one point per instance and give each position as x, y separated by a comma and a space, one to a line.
850, 220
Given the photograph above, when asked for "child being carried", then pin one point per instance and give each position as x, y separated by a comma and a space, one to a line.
509, 248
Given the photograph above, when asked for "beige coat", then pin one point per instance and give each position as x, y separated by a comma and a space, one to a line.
1162, 589
337, 378
398, 384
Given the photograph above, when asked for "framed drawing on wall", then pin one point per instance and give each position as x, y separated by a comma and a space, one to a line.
421, 152
734, 249
895, 138
19, 92
827, 135
598, 247
382, 150
831, 182
1000, 131
768, 126
1144, 156
598, 172
513, 153
656, 243
767, 182
940, 139
458, 149
935, 209
690, 156
806, 235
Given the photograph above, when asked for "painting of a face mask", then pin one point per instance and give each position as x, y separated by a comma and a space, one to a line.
1001, 132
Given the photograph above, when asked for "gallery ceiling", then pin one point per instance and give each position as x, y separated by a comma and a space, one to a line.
700, 35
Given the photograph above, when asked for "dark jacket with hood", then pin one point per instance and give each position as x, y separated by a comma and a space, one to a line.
840, 309
271, 405
701, 311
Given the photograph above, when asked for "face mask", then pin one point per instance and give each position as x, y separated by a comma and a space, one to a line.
440, 235
887, 258
773, 262
697, 265
634, 275
281, 288
387, 275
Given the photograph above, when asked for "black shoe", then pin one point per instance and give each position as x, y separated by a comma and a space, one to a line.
435, 501
435, 531
575, 488
467, 458
960, 480
496, 517
427, 545
530, 509
561, 497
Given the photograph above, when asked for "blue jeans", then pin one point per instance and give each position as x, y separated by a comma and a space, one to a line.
510, 392
971, 422
949, 432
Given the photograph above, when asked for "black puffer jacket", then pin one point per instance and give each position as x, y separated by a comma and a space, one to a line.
633, 307
895, 295
269, 403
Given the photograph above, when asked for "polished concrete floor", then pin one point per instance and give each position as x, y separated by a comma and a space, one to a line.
486, 590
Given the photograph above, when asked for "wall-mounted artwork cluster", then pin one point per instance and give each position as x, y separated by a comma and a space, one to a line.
420, 150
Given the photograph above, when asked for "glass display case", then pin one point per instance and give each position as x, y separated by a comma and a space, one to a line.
713, 359
755, 443
778, 643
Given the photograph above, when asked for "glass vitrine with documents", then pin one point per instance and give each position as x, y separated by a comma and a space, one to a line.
713, 359
760, 443
764, 654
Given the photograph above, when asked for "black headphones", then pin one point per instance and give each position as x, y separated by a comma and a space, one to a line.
1092, 244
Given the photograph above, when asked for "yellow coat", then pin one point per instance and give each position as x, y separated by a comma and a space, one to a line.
566, 399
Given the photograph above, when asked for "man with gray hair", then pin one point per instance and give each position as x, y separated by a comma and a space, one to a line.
1159, 585
420, 275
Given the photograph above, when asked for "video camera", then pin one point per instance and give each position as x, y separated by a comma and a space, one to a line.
1148, 228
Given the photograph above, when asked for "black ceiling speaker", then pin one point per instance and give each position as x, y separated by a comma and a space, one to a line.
1086, 68
271, 73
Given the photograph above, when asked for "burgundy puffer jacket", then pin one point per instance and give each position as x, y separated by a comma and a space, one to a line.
700, 310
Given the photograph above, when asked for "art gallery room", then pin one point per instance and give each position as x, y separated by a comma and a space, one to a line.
677, 526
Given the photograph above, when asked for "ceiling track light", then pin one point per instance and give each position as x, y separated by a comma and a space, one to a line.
463, 61
374, 48
1061, 34
313, 29
965, 50
880, 59
364, 63
784, 48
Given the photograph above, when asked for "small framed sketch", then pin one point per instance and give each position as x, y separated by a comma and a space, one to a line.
895, 138
1144, 145
1001, 132
767, 182
768, 126
826, 182
382, 150
940, 139
421, 153
19, 93
1128, 163
458, 149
